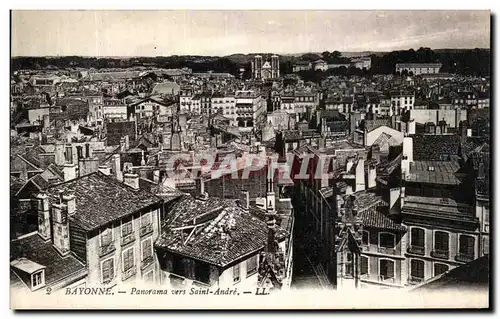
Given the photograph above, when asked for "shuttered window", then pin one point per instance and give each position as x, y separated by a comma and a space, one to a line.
236, 273
126, 228
147, 250
386, 268
106, 237
466, 245
441, 241
366, 237
252, 265
417, 269
108, 270
417, 237
128, 259
387, 240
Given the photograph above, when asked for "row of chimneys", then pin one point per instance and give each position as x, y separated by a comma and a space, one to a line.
57, 214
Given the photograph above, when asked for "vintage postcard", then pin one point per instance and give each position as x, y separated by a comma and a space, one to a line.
250, 159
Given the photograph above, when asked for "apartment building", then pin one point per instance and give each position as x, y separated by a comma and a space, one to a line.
106, 226
251, 109
418, 68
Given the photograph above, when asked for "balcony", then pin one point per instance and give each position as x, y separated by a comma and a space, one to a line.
385, 250
106, 250
412, 280
146, 262
440, 253
129, 273
464, 257
417, 250
383, 279
127, 239
146, 230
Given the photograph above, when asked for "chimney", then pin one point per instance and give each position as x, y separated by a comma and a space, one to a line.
469, 132
156, 176
131, 180
271, 226
69, 200
79, 152
360, 175
40, 203
87, 151
245, 200
116, 167
69, 172
61, 227
372, 176
105, 170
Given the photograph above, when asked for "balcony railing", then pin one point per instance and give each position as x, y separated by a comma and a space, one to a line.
415, 280
127, 239
146, 262
146, 230
389, 280
464, 257
417, 250
440, 253
108, 249
385, 250
129, 273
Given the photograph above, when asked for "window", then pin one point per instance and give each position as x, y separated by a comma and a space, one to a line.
387, 240
466, 245
364, 265
441, 241
440, 268
236, 273
128, 259
108, 270
127, 228
146, 219
417, 237
386, 269
486, 245
106, 237
417, 269
252, 263
36, 279
349, 270
147, 249
366, 237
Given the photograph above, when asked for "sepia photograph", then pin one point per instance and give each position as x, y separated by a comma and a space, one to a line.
250, 159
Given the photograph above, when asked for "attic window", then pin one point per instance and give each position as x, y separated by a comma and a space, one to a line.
431, 169
37, 279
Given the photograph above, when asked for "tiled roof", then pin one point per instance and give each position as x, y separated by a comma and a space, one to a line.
435, 147
34, 248
444, 173
225, 232
101, 199
372, 218
438, 208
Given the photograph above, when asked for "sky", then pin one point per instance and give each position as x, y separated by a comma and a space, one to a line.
163, 33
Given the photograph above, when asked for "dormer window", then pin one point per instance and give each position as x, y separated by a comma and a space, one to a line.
431, 169
37, 280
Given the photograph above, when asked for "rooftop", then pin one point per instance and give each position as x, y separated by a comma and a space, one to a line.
101, 199
31, 252
215, 230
